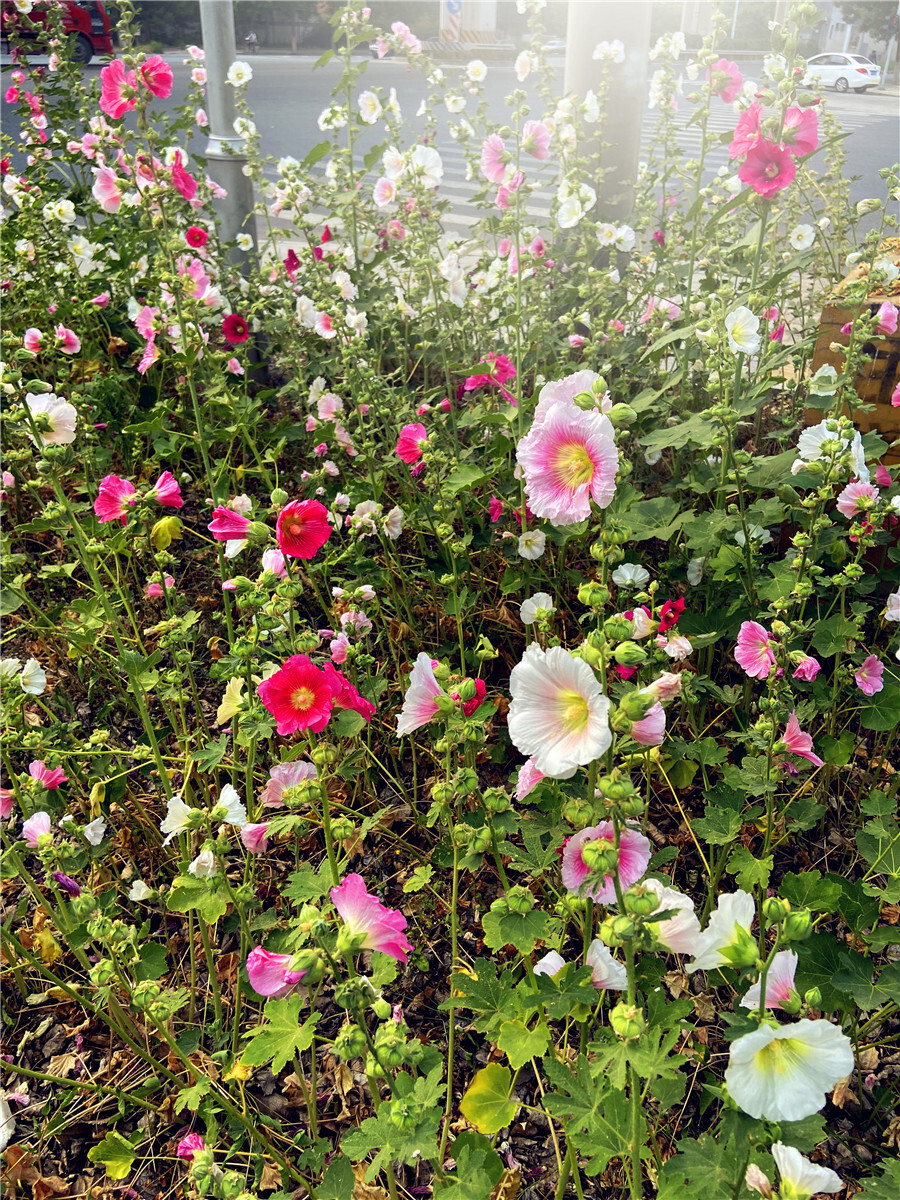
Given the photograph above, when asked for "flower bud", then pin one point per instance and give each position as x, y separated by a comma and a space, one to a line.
103, 973
627, 1020
599, 856
775, 910
578, 812
792, 1003
640, 901
584, 400
590, 653
618, 629
798, 925
258, 533
496, 800
591, 595
467, 690
630, 654
381, 1008
622, 415
350, 1042
279, 497
635, 705
813, 998
520, 900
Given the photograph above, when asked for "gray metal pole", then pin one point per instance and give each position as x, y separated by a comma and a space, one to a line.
590, 22
225, 151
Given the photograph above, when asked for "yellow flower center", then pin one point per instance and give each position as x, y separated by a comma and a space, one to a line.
574, 464
782, 1056
302, 699
573, 710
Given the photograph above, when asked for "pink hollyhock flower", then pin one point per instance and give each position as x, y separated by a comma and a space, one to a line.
886, 318
777, 334
678, 648
34, 827
299, 696
779, 982
895, 396
363, 914
869, 676
227, 525
183, 183
6, 803
32, 340
149, 357
273, 560
101, 300
188, 1146
747, 133
568, 458
324, 326
156, 75
420, 702
412, 439
284, 776
117, 89
848, 500
269, 974
883, 476
493, 158
801, 131
51, 778
529, 778
115, 498
768, 168
754, 651
384, 192
166, 491
650, 730
302, 528
346, 695
254, 839
235, 329
634, 855
807, 669
576, 340
495, 509
666, 687
154, 588
196, 237
338, 647
67, 341
234, 367
536, 140
727, 79
799, 743
606, 974
107, 189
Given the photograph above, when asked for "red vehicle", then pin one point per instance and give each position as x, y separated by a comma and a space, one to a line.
85, 22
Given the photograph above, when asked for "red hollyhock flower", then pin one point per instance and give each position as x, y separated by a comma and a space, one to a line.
183, 183
196, 236
477, 700
235, 329
326, 236
156, 75
345, 694
292, 265
299, 696
669, 614
768, 168
302, 528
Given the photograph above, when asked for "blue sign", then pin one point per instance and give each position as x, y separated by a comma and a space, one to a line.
454, 7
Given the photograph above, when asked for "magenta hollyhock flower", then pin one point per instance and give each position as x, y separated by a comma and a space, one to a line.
848, 500
117, 89
883, 476
227, 524
411, 441
34, 827
7, 799
154, 588
50, 777
166, 491
302, 528
188, 1146
536, 140
727, 79
869, 677
799, 743
807, 669
754, 650
529, 777
156, 75
777, 334
196, 237
650, 730
269, 974
364, 914
299, 696
346, 695
469, 706
779, 982
184, 184
768, 168
747, 132
254, 837
634, 855
495, 509
235, 329
801, 131
67, 341
886, 316
291, 265
567, 458
115, 498
493, 158
32, 340
283, 776
66, 883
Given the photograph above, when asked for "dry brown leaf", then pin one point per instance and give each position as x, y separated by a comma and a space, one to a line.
868, 1060
705, 1007
509, 1186
363, 1190
844, 1094
678, 984
50, 1185
18, 1168
270, 1179
62, 1064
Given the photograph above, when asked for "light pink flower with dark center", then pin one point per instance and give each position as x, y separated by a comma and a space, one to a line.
807, 669
848, 502
269, 975
754, 650
869, 677
536, 140
363, 914
115, 499
50, 777
797, 742
801, 131
768, 168
420, 702
283, 776
634, 855
494, 158
34, 827
107, 189
779, 982
567, 459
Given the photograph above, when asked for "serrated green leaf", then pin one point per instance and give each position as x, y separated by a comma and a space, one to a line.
717, 826
152, 964
749, 871
115, 1153
886, 1186
463, 477
190, 1097
420, 878
522, 930
486, 1103
882, 714
338, 1181
200, 895
493, 998
521, 1044
282, 1037
809, 890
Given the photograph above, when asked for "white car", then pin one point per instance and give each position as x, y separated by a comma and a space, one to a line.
842, 72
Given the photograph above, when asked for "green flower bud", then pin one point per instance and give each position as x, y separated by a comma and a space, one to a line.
461, 834
103, 973
342, 828
279, 497
743, 951
381, 1008
591, 654
591, 595
467, 690
623, 929
798, 925
792, 1003
628, 1021
258, 533
622, 415
350, 1042
618, 629
501, 906
466, 781
496, 800
599, 856
442, 792
635, 705
813, 998
586, 401
640, 901
520, 900
630, 654
578, 812
145, 993
775, 909
480, 841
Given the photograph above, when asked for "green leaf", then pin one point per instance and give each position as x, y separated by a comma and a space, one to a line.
886, 1186
152, 963
486, 1103
705, 1168
884, 935
338, 1181
210, 756
657, 518
493, 998
462, 477
599, 1120
420, 878
857, 908
10, 600
818, 961
520, 1044
883, 713
869, 992
201, 895
750, 871
718, 826
282, 1037
348, 723
879, 843
306, 884
837, 751
522, 930
833, 634
115, 1153
810, 890
190, 1097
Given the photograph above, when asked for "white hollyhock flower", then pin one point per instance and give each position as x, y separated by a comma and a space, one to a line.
33, 679
204, 865
551, 964
454, 103
743, 331
239, 74
392, 525
784, 1072
892, 608
55, 419
824, 382
631, 575
523, 65
427, 166
95, 832
7, 1123
177, 818
139, 891
9, 668
804, 1178
230, 801
234, 546
728, 930
802, 237
558, 712
606, 972
528, 609
477, 70
695, 571
680, 932
532, 544
606, 233
625, 238
369, 107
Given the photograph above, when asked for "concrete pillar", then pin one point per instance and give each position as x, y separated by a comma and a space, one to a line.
225, 151
599, 21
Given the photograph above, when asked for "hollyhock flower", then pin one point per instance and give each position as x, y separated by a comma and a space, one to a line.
742, 326
529, 778
869, 676
807, 669
536, 140
34, 827
784, 1073
411, 442
115, 499
666, 687
95, 832
606, 973
7, 799
528, 609
177, 819
283, 776
184, 184
532, 544
188, 1146
273, 560
380, 927
235, 329
678, 648
886, 318
154, 588
641, 620
779, 982
551, 964
227, 524
156, 75
67, 341
634, 855
678, 933
727, 935
669, 614
801, 237
469, 706
107, 189
66, 883
234, 367
494, 158
392, 525
32, 339
52, 411
800, 1178
799, 743
495, 509
747, 133
650, 730
254, 839
117, 89
883, 476
49, 777
33, 679
848, 501
420, 704
801, 131
298, 695
302, 528
101, 300
631, 575
754, 650
196, 237
768, 168
569, 457
727, 79
892, 607
346, 695
269, 974
777, 334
